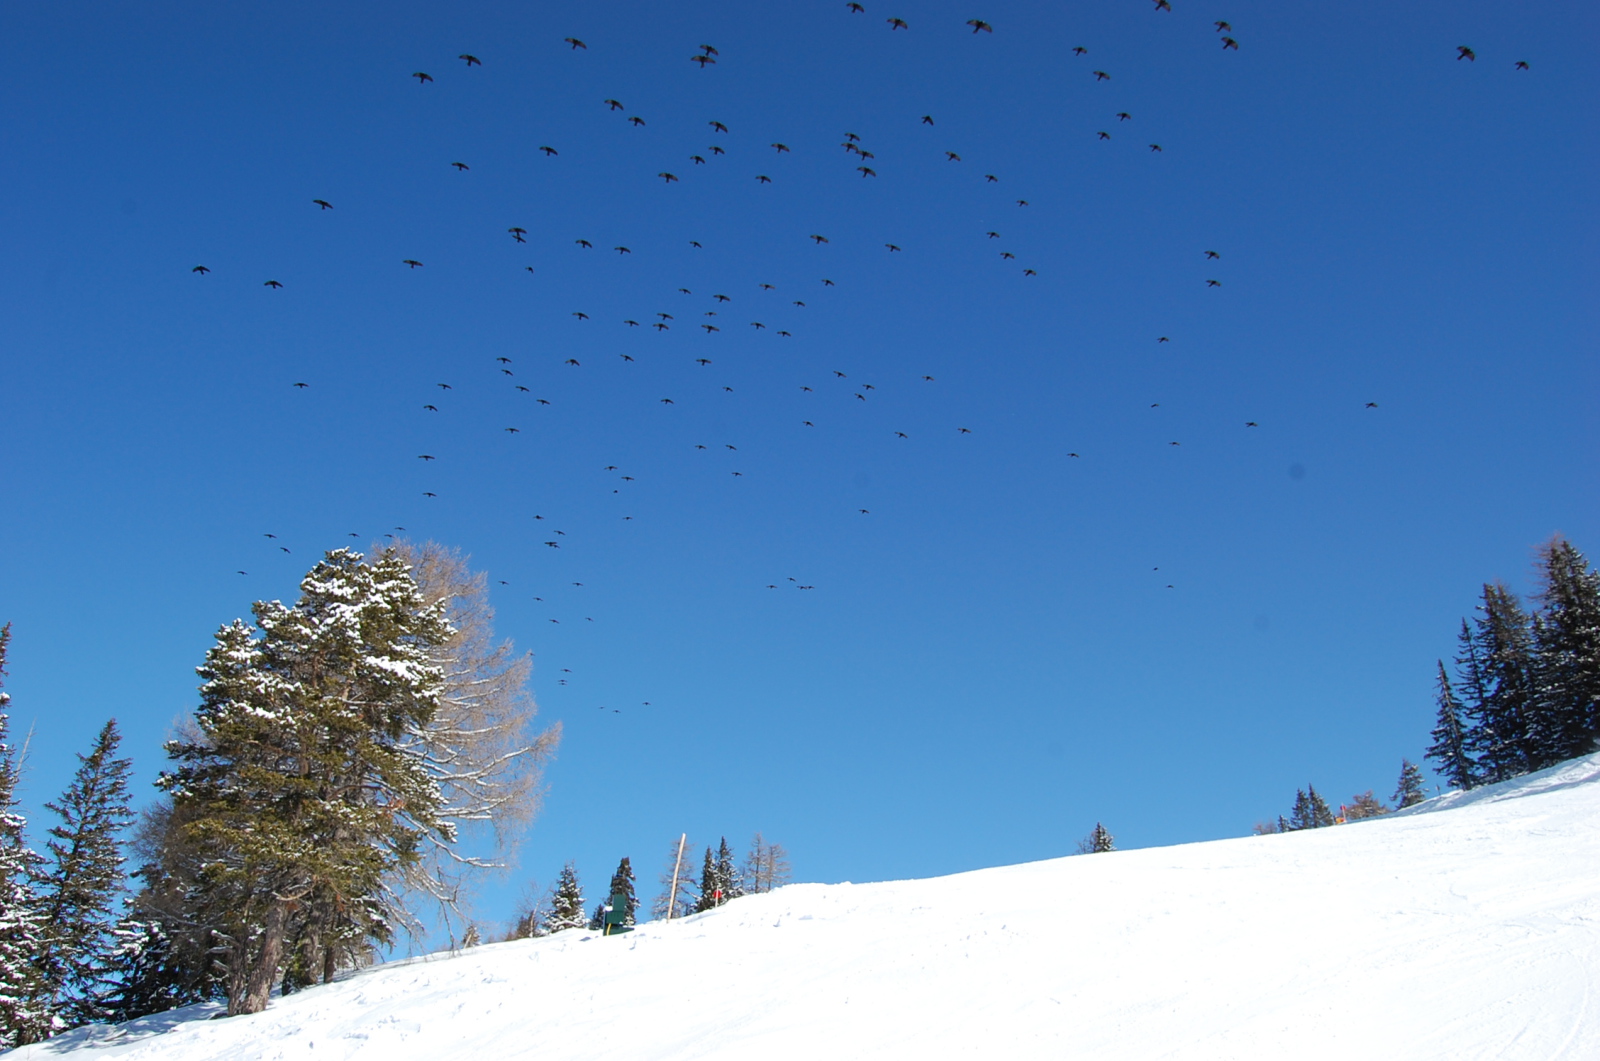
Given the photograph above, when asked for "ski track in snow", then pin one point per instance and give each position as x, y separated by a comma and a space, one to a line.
1471, 933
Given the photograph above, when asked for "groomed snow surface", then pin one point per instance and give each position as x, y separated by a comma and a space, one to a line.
1469, 933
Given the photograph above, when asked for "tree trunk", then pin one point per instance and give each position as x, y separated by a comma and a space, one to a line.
264, 968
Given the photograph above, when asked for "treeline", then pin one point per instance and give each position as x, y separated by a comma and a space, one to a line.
721, 879
347, 754
1526, 691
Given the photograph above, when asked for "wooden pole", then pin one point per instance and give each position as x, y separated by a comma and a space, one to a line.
677, 863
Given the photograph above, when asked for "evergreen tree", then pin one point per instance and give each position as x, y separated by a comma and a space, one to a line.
1449, 747
728, 878
151, 974
1408, 793
1310, 810
566, 907
1505, 733
1566, 636
1101, 840
83, 879
710, 895
301, 790
25, 1015
622, 884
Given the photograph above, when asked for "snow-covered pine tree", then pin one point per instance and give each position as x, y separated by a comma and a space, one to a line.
301, 790
81, 883
1101, 840
622, 883
566, 907
1566, 636
1449, 747
25, 1015
151, 974
1504, 732
728, 877
710, 893
1408, 792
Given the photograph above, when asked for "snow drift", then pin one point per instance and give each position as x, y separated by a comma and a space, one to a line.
1466, 927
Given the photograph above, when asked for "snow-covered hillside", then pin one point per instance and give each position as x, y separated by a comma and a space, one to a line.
1468, 927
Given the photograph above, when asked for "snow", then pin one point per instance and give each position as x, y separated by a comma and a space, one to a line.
1466, 927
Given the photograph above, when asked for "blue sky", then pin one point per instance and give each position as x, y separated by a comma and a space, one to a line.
1013, 642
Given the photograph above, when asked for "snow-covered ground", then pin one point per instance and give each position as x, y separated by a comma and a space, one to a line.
1468, 927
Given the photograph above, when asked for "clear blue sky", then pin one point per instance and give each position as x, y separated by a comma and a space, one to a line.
1013, 642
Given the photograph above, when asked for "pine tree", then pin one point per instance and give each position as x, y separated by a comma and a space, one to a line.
1310, 810
80, 886
1449, 747
1408, 793
622, 884
728, 877
1505, 732
1101, 840
1566, 636
710, 894
566, 907
25, 1015
152, 974
302, 791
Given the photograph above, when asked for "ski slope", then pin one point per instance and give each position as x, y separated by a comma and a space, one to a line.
1467, 927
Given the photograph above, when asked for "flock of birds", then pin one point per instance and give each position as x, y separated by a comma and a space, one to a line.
717, 313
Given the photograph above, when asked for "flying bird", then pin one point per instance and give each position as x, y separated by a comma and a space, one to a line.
1463, 52
819, 239
979, 25
703, 60
867, 172
549, 150
891, 246
272, 283
615, 105
1155, 147
697, 160
719, 127
927, 119
622, 250
1223, 27
580, 315
1080, 50
323, 203
952, 156
412, 262
709, 50
1521, 65
572, 361
200, 269
302, 386
444, 386
426, 457
897, 23
853, 6
422, 78
636, 120
584, 244
431, 408
1229, 42
1212, 254
763, 178
1213, 283
1251, 423
461, 167
518, 233
1372, 405
1101, 75
781, 147
1123, 116
991, 178
1104, 135
576, 43
470, 60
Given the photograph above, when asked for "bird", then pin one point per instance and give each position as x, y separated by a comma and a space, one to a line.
200, 269
513, 430
1223, 27
622, 250
461, 167
853, 6
1251, 423
863, 511
710, 328
828, 283
901, 434
431, 408
1029, 272
1080, 50
781, 148
528, 267
991, 178
631, 323
422, 78
808, 423
1104, 135
549, 150
1007, 255
719, 127
1022, 202
636, 120
853, 138
1212, 254
1229, 42
302, 386
1155, 147
1101, 75
927, 119
584, 244
1163, 339
576, 43
580, 315
470, 60
1521, 65
819, 239
246, 573
697, 160
1372, 405
523, 389
1123, 116
702, 361
709, 50
763, 178
897, 23
928, 378
444, 386
715, 150
867, 172
429, 493
964, 430
891, 246
1463, 52
518, 233
323, 203
952, 156
703, 60
272, 283
979, 25
1163, 5
722, 298
426, 457
694, 243
615, 105
667, 401
797, 302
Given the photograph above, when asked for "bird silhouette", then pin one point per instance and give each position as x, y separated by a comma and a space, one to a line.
302, 386
1223, 27
615, 105
1213, 283
719, 127
1029, 272
762, 178
696, 159
891, 246
1229, 42
470, 60
549, 150
518, 233
703, 60
867, 172
781, 148
1372, 405
1212, 254
202, 270
1251, 423
422, 78
636, 120
1463, 52
1521, 65
444, 386
576, 43
272, 283
897, 23
426, 457
979, 25
580, 315
952, 156
1101, 75
573, 362
853, 6
1104, 135
1155, 147
323, 203
461, 167
584, 244
431, 408
1080, 50
991, 178
715, 150
622, 250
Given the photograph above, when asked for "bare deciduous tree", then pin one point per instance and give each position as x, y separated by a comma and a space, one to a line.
766, 866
